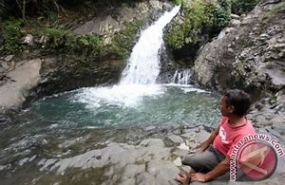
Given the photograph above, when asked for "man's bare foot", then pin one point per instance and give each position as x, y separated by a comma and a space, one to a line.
183, 178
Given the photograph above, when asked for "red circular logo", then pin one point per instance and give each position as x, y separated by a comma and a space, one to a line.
257, 160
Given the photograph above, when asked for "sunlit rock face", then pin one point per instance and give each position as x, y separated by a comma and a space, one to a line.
113, 21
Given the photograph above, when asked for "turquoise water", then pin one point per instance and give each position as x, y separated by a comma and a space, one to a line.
72, 123
172, 106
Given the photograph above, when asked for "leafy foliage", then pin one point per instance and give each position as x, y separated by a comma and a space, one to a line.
62, 41
124, 41
203, 19
11, 33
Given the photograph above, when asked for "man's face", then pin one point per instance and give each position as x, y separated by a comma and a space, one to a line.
224, 108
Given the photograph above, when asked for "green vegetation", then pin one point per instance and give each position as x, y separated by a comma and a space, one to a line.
45, 19
61, 41
203, 20
11, 35
57, 40
243, 6
127, 36
177, 2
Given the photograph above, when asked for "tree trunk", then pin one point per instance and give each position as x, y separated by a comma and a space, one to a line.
22, 6
24, 9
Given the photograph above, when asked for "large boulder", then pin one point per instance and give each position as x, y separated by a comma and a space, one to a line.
17, 81
249, 55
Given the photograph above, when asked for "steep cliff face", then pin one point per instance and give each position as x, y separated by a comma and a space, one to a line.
249, 55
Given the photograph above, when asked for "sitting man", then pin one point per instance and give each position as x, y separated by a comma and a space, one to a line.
213, 158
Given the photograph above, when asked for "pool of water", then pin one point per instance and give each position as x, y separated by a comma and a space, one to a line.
74, 122
123, 108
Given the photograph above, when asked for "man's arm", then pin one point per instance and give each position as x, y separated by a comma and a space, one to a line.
218, 171
210, 140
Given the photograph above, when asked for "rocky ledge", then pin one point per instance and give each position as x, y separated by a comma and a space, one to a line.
152, 161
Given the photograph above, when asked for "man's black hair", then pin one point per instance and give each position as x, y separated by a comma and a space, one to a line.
240, 100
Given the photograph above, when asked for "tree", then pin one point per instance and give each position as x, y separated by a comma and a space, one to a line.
22, 6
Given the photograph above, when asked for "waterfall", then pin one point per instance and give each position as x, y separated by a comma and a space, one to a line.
182, 77
144, 63
139, 77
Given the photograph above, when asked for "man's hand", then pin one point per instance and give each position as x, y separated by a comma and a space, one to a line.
202, 149
183, 178
200, 177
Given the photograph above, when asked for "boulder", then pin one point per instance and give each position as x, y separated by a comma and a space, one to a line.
23, 79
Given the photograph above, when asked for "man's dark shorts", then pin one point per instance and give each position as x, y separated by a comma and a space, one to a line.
204, 161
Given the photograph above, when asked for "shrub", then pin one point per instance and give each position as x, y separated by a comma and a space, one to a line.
123, 41
11, 33
203, 19
62, 41
90, 45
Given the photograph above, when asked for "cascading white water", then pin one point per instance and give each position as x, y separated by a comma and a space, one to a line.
182, 77
139, 77
144, 63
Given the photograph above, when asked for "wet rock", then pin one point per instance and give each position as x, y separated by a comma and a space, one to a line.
278, 122
112, 153
261, 120
234, 16
129, 164
202, 136
8, 58
235, 23
131, 170
128, 182
175, 139
195, 137
145, 179
29, 40
4, 120
177, 161
152, 142
2, 70
162, 170
264, 36
43, 41
5, 65
181, 152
